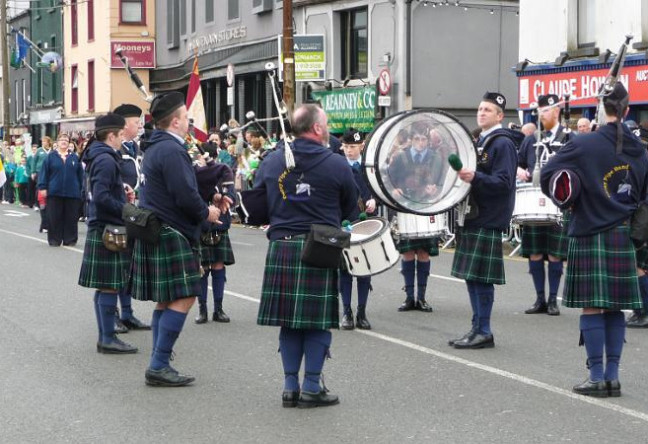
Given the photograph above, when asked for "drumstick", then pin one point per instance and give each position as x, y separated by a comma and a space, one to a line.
455, 162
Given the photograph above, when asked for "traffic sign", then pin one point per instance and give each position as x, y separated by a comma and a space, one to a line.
384, 82
230, 75
384, 101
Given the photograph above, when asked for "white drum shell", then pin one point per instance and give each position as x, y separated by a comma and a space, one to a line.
532, 207
370, 254
412, 226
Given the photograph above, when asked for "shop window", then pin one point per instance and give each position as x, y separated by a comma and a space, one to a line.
232, 9
354, 51
74, 105
91, 85
132, 12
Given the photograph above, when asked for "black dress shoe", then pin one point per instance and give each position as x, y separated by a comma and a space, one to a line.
595, 389
116, 347
133, 323
552, 309
289, 398
347, 321
167, 377
422, 305
408, 305
120, 328
362, 323
640, 321
475, 341
452, 342
538, 307
220, 316
202, 316
322, 399
613, 388
634, 316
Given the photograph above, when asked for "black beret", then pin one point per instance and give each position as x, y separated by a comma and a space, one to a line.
496, 98
632, 125
163, 105
128, 110
618, 98
352, 137
109, 121
548, 100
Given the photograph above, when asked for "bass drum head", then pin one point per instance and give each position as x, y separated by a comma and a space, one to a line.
406, 161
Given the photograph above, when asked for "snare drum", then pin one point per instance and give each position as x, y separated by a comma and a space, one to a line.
412, 226
372, 249
532, 207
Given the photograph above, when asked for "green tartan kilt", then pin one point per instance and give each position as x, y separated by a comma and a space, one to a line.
295, 295
429, 244
167, 271
478, 256
546, 240
222, 252
102, 268
642, 258
602, 271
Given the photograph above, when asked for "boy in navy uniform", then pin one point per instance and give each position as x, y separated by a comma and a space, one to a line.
540, 242
478, 258
602, 277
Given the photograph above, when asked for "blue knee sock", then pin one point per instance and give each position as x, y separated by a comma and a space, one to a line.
97, 310
486, 297
614, 337
537, 271
346, 287
291, 346
155, 324
107, 305
643, 288
555, 271
422, 274
593, 331
316, 348
125, 302
169, 329
204, 283
364, 285
407, 269
218, 287
474, 304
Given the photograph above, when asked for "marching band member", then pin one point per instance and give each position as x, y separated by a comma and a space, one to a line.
540, 242
601, 277
478, 257
352, 144
301, 299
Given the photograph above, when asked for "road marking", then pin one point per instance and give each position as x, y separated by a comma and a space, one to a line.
14, 213
446, 356
245, 244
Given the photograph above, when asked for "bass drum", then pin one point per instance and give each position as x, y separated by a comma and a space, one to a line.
406, 161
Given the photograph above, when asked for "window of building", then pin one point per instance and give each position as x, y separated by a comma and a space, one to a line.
90, 19
193, 16
133, 12
354, 53
55, 92
209, 11
24, 96
644, 21
74, 105
183, 17
74, 22
91, 85
173, 24
17, 97
39, 79
232, 9
586, 20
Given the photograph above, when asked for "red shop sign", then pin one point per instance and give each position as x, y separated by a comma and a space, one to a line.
140, 53
582, 86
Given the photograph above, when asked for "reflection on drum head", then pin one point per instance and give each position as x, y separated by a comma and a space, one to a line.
365, 229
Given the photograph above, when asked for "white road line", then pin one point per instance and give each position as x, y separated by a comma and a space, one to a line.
245, 244
448, 357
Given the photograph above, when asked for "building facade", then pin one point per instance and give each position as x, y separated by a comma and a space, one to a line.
19, 78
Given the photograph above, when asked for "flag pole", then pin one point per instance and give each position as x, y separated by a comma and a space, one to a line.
5, 70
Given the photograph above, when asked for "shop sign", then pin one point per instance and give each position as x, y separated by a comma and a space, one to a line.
140, 53
348, 107
582, 86
310, 58
218, 38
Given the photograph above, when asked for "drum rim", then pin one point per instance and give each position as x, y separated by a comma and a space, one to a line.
385, 227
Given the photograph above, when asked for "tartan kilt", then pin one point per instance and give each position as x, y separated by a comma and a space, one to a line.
642, 258
102, 268
295, 295
601, 271
478, 256
429, 244
167, 271
546, 240
213, 254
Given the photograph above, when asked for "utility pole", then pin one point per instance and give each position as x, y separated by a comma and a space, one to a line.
288, 57
5, 69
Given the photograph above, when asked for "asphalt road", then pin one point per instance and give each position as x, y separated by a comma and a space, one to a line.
398, 383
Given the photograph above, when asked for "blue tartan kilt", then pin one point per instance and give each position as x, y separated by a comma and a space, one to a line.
167, 271
602, 271
102, 268
295, 295
478, 256
545, 240
429, 244
222, 252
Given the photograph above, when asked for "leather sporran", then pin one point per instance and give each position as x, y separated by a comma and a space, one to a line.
324, 245
210, 239
141, 224
114, 238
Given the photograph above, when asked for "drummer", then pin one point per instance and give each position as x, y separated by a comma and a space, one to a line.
353, 144
417, 175
548, 242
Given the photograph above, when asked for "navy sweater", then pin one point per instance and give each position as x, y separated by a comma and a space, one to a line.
169, 185
319, 190
61, 179
611, 184
527, 153
493, 187
364, 194
106, 191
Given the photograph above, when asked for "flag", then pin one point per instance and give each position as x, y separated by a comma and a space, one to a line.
3, 175
22, 45
195, 106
